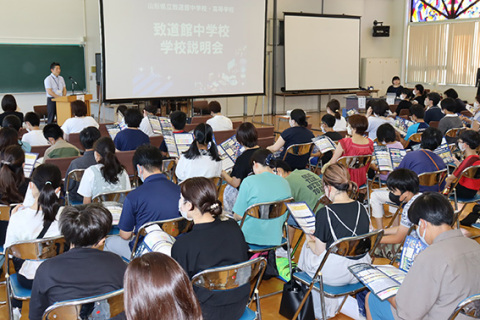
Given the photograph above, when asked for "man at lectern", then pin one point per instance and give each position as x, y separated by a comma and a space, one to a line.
55, 87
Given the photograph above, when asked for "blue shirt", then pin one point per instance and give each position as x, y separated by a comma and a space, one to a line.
259, 188
156, 199
416, 128
130, 139
419, 162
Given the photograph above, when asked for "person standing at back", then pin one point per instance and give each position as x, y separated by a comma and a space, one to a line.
219, 122
55, 88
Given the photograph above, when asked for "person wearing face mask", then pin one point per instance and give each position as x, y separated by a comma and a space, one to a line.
405, 103
403, 186
417, 113
433, 111
327, 124
468, 143
343, 218
356, 145
419, 95
443, 274
211, 243
296, 134
377, 115
156, 199
34, 136
476, 114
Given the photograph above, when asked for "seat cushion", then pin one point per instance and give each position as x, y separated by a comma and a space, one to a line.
249, 314
329, 290
18, 291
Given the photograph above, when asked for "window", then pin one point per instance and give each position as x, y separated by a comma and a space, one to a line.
438, 10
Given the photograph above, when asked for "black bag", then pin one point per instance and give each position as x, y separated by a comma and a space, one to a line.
292, 296
472, 217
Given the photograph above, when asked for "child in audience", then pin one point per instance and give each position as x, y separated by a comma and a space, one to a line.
80, 120
247, 136
476, 113
333, 108
459, 104
417, 114
212, 243
34, 136
343, 218
13, 122
387, 136
178, 119
149, 110
60, 148
433, 111
155, 279
377, 115
328, 121
9, 107
263, 186
108, 175
419, 95
201, 159
405, 104
131, 137
451, 120
297, 133
37, 221
218, 122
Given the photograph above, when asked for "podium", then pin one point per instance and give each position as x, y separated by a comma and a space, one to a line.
64, 107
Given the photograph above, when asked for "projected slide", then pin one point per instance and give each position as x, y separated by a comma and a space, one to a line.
186, 48
321, 52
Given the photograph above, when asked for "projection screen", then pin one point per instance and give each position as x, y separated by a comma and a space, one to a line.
185, 48
321, 52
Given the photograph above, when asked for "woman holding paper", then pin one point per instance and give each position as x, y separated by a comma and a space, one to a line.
343, 218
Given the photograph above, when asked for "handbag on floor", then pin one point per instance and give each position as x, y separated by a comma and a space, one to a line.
292, 296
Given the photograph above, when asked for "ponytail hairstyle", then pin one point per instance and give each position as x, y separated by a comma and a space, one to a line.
203, 135
202, 194
334, 105
111, 166
47, 178
299, 116
337, 176
11, 174
263, 157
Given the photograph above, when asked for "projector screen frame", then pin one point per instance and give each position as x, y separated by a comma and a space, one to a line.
319, 15
124, 100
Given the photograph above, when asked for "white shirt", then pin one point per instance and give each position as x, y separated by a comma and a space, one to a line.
220, 122
93, 183
374, 122
202, 166
146, 127
340, 124
77, 124
35, 138
55, 83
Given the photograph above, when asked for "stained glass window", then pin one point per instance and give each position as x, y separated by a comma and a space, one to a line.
438, 10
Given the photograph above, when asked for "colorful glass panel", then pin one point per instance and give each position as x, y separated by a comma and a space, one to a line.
438, 10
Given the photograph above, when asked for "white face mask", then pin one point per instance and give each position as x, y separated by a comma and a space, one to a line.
291, 122
140, 175
462, 146
323, 129
476, 105
183, 213
349, 130
422, 236
402, 96
414, 92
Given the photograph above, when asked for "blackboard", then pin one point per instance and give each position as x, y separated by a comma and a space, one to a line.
24, 67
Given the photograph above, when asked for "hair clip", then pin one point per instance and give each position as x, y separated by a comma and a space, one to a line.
48, 182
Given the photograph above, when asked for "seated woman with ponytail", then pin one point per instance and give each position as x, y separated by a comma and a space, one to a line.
212, 243
201, 159
37, 221
107, 176
343, 218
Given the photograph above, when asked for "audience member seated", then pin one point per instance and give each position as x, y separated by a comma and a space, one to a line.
305, 186
476, 113
179, 120
38, 221
441, 276
418, 113
108, 175
131, 137
8, 137
83, 271
247, 136
263, 186
356, 145
149, 110
396, 87
451, 120
424, 159
403, 188
60, 148
296, 134
13, 122
201, 159
377, 115
343, 218
333, 108
34, 136
121, 112
218, 122
459, 104
212, 243
80, 120
405, 104
156, 287
327, 124
419, 95
88, 137
468, 143
433, 111
156, 199
9, 107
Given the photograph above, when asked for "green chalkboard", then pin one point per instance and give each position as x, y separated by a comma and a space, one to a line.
24, 67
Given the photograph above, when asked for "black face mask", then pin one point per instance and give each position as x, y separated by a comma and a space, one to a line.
394, 198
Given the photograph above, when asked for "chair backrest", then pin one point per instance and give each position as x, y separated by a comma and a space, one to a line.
62, 163
343, 133
300, 149
430, 179
267, 210
265, 132
393, 107
472, 172
190, 126
200, 119
83, 308
126, 159
221, 136
116, 196
454, 132
200, 105
469, 307
404, 112
41, 110
466, 113
74, 175
74, 138
434, 124
265, 142
103, 129
355, 162
156, 141
40, 150
5, 212
236, 124
416, 137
